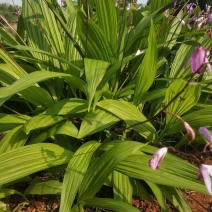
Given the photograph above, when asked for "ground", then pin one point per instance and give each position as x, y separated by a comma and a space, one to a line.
49, 203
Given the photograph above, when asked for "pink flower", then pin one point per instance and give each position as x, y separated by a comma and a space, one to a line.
182, 22
198, 59
166, 13
157, 158
190, 7
206, 133
205, 173
18, 12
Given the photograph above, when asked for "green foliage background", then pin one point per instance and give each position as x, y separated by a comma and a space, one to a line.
9, 12
76, 98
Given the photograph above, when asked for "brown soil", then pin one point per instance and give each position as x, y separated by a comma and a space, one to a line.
49, 203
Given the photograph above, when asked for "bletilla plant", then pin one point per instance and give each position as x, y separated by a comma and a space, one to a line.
89, 90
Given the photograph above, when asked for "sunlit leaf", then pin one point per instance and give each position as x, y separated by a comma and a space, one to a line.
122, 187
131, 115
41, 121
26, 160
43, 188
95, 121
147, 70
185, 101
94, 72
13, 139
101, 168
75, 173
110, 204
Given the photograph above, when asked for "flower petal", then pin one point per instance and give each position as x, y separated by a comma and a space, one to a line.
198, 59
157, 158
206, 172
206, 133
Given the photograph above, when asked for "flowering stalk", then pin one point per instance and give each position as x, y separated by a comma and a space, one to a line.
189, 130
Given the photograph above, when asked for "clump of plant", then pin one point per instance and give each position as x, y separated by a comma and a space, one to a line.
102, 90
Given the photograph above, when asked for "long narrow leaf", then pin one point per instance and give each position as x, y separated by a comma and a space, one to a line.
147, 70
75, 173
103, 166
131, 115
26, 160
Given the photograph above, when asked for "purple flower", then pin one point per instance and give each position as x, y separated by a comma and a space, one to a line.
18, 12
157, 158
190, 7
175, 3
62, 2
205, 173
206, 133
198, 59
182, 22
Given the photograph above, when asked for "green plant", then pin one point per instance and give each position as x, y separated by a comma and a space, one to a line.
75, 93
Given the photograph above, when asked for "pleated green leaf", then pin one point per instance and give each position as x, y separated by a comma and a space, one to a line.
60, 59
94, 72
13, 139
95, 121
148, 96
174, 196
41, 121
34, 23
10, 121
43, 188
147, 70
52, 28
66, 128
100, 169
75, 173
174, 30
7, 37
68, 106
110, 204
32, 79
5, 192
181, 58
37, 96
184, 102
159, 196
26, 160
131, 115
107, 18
96, 44
15, 70
122, 188
140, 190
